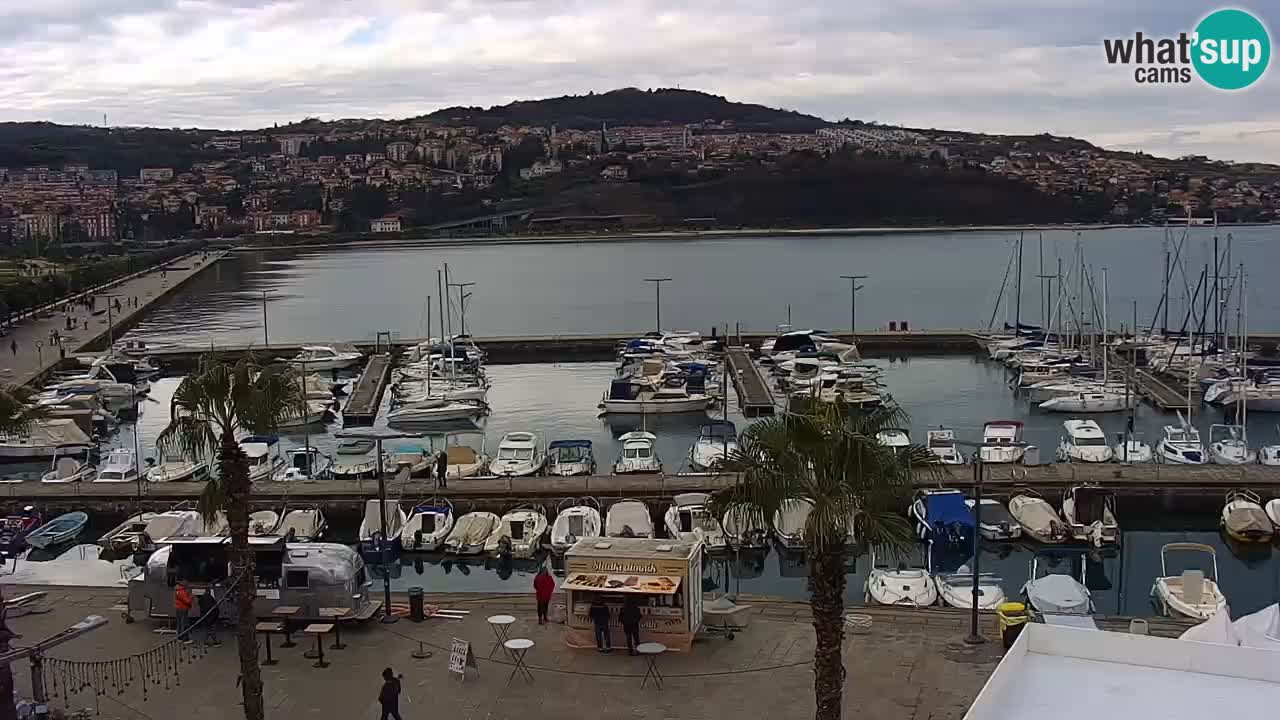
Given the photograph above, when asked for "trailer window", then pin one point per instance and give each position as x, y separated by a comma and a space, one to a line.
295, 579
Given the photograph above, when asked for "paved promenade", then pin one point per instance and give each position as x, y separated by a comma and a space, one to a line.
911, 664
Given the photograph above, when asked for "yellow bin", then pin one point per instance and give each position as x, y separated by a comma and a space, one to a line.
1010, 617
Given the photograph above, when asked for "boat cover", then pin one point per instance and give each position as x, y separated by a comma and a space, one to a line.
947, 509
1039, 515
1247, 517
473, 528
59, 431
461, 455
792, 516
1058, 594
629, 518
1090, 504
1259, 630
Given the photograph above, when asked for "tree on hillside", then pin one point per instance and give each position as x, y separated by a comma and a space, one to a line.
208, 411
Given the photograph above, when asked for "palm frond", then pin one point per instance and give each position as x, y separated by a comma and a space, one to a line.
18, 409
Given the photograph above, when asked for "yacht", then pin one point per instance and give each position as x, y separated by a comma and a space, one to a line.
45, 439
570, 457
1084, 442
638, 454
520, 532
120, 466
304, 465
629, 518
942, 443
689, 519
264, 456
643, 393
996, 523
1180, 445
1002, 442
519, 454
716, 441
325, 357
1090, 402
1089, 512
437, 409
1228, 446
895, 438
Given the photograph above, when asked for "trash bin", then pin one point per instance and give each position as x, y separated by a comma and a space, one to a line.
417, 612
1010, 617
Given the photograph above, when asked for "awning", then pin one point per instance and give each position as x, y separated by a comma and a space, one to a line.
645, 584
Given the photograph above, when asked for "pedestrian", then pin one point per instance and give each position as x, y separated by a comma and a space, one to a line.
629, 616
389, 696
543, 587
442, 470
599, 614
182, 602
210, 615
13, 345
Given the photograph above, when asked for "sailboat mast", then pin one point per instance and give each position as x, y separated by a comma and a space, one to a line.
1243, 410
1164, 324
1017, 305
1044, 299
1104, 326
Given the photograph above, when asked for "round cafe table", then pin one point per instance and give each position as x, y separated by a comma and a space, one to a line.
501, 625
651, 651
519, 647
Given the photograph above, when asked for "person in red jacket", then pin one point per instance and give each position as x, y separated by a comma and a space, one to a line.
182, 602
543, 588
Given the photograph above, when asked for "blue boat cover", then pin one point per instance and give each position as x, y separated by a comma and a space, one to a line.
947, 509
268, 439
569, 443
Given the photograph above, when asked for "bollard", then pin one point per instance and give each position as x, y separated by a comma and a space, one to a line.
422, 653
417, 612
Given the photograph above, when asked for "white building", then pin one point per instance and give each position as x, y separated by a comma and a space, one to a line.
385, 225
671, 138
155, 174
400, 151
541, 168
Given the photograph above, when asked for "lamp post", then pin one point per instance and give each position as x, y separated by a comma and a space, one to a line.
265, 341
657, 301
854, 287
979, 471
378, 435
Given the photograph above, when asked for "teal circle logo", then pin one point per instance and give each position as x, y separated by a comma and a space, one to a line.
1232, 49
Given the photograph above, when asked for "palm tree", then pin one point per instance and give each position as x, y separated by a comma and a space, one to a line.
209, 409
859, 489
17, 412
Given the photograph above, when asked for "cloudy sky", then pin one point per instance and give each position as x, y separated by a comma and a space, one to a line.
986, 65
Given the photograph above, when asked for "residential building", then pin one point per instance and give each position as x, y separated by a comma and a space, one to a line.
400, 151
304, 218
291, 145
99, 225
663, 136
540, 169
163, 174
229, 143
385, 225
614, 173
31, 226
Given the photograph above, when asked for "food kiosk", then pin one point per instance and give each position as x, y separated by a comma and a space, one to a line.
663, 576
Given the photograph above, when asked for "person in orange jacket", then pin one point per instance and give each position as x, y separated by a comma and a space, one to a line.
182, 602
543, 587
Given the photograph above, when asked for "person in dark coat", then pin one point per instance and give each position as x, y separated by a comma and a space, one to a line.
442, 470
599, 614
389, 696
629, 616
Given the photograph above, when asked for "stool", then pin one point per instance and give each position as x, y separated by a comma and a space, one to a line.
267, 628
501, 625
336, 615
319, 630
651, 651
519, 647
287, 613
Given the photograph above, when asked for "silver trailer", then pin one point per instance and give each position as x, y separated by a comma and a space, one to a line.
306, 575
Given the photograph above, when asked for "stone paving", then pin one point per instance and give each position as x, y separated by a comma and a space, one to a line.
908, 665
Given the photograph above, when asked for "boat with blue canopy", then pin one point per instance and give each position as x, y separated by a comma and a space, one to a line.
942, 516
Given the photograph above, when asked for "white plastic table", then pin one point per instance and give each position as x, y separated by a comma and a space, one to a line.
651, 651
501, 625
519, 647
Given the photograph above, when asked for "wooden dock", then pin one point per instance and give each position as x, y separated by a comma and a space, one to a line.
754, 397
362, 407
1160, 393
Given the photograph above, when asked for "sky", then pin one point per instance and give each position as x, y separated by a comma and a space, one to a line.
1000, 66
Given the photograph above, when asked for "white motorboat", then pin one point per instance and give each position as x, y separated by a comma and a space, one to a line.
418, 459
325, 357
427, 526
1090, 402
688, 518
996, 523
789, 521
895, 438
1190, 594
1037, 518
464, 462
1002, 442
120, 466
142, 530
570, 457
1180, 445
45, 439
519, 454
437, 410
906, 584
264, 457
1243, 518
1050, 389
629, 518
578, 521
263, 523
743, 531
716, 441
1057, 594
68, 468
647, 395
638, 454
1273, 512
942, 443
1228, 445
178, 469
1089, 513
305, 524
470, 533
956, 589
1133, 451
376, 517
1084, 442
318, 412
306, 464
1270, 454
215, 526
519, 532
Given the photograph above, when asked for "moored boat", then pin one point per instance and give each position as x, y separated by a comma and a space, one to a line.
1243, 518
58, 531
1190, 594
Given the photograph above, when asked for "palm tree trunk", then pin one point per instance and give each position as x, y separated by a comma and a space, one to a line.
7, 709
233, 467
826, 598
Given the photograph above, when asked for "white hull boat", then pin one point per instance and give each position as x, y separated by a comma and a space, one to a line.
1058, 595
1090, 402
264, 457
1228, 446
1133, 451
742, 532
427, 526
567, 458
789, 521
1180, 445
470, 533
302, 525
1002, 442
574, 523
520, 532
519, 454
324, 357
305, 465
638, 454
902, 585
1084, 442
45, 439
120, 466
373, 522
689, 519
996, 523
956, 589
1089, 512
1037, 518
629, 518
1244, 520
691, 403
68, 469
716, 441
179, 470
464, 462
263, 523
436, 410
1273, 512
942, 443
1190, 594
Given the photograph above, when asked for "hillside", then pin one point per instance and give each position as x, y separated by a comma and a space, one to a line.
630, 106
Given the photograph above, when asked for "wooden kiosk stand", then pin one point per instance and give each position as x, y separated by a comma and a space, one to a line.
663, 576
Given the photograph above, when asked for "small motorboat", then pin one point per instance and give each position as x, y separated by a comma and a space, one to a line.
1090, 402
628, 518
1228, 446
1089, 513
742, 531
716, 441
996, 523
520, 532
1180, 445
470, 533
956, 589
788, 523
15, 529
120, 466
895, 438
324, 357
302, 525
907, 584
1002, 442
376, 518
306, 464
356, 446
942, 516
519, 454
263, 523
59, 531
942, 443
689, 519
1055, 593
1270, 454
69, 469
140, 531
1132, 450
418, 459
428, 526
579, 520
1037, 517
464, 462
1273, 512
263, 452
1243, 518
1190, 594
638, 454
437, 410
178, 470
570, 457
1084, 442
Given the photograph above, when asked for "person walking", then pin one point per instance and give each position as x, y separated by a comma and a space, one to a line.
629, 616
442, 470
599, 614
543, 587
182, 602
13, 345
389, 696
210, 615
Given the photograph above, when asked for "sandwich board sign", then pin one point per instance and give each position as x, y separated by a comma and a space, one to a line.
461, 657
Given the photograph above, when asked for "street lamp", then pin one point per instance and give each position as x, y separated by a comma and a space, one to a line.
265, 341
657, 302
854, 287
979, 475
378, 435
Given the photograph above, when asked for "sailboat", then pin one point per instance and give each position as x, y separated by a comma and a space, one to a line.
1229, 444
